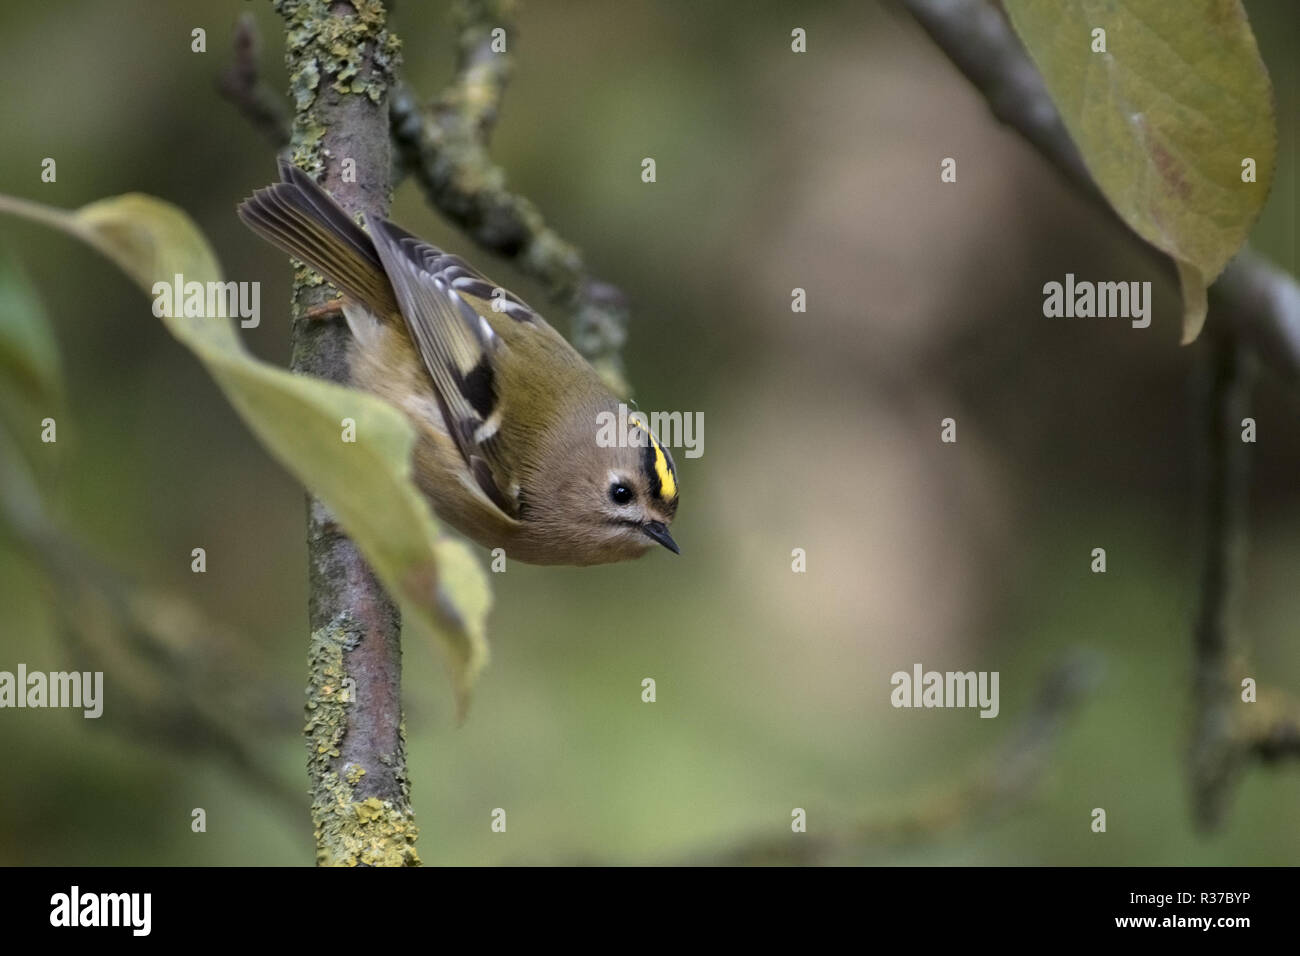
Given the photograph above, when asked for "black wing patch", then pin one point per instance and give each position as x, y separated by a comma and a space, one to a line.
479, 387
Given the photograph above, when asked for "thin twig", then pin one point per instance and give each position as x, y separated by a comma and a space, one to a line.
241, 84
1228, 731
1217, 754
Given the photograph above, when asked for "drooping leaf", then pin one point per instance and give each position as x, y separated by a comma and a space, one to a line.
366, 483
1165, 117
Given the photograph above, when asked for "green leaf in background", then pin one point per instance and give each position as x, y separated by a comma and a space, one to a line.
29, 353
1164, 118
366, 484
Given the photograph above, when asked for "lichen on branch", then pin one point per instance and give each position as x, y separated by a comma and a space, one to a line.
340, 57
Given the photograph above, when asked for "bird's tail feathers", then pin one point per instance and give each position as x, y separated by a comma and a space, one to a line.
299, 217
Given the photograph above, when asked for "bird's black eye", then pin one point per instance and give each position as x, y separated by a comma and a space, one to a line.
620, 494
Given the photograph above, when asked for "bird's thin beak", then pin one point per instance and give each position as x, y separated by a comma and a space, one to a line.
658, 531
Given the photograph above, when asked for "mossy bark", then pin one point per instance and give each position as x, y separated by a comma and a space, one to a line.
340, 58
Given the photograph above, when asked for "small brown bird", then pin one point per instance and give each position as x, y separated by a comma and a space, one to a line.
506, 412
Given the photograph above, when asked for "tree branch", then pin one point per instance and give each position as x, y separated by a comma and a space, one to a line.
340, 58
445, 146
242, 85
1217, 756
1258, 300
1228, 732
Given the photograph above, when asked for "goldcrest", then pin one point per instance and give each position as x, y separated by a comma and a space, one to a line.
505, 410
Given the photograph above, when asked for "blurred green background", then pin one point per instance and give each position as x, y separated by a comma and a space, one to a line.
775, 170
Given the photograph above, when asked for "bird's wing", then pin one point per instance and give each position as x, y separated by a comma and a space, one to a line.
460, 350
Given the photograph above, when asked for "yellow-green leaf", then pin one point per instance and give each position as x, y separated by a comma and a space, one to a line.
1165, 117
366, 483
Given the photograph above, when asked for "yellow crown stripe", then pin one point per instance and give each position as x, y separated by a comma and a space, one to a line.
667, 483
664, 472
